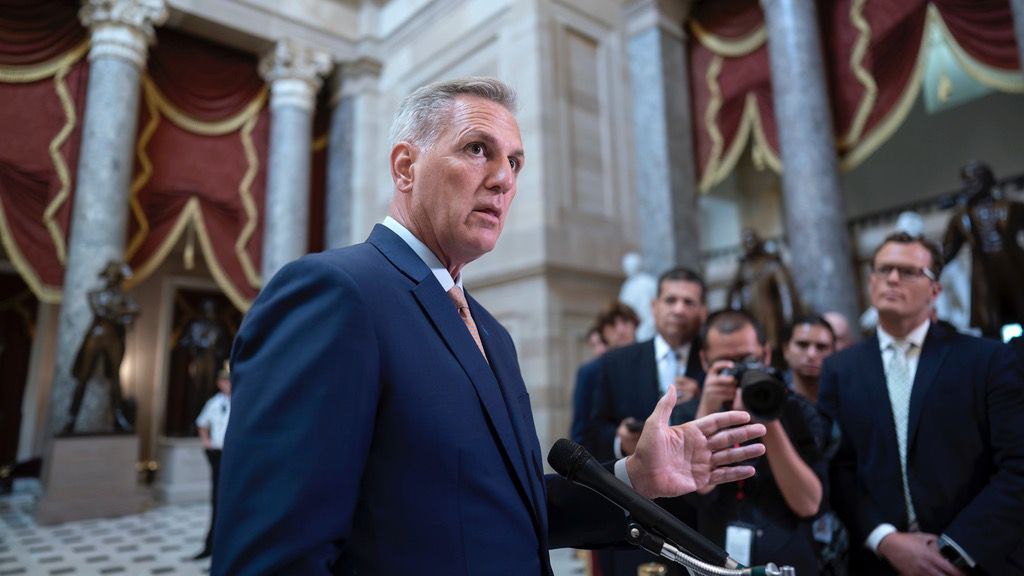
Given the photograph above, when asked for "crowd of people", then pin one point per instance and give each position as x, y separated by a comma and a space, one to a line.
900, 453
381, 425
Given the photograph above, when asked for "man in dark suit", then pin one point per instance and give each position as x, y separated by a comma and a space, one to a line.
626, 384
929, 477
616, 327
380, 422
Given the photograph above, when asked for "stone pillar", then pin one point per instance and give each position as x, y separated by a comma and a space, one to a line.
666, 184
121, 32
1018, 23
355, 88
293, 72
815, 220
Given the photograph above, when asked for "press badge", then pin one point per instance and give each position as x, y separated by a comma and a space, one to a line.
739, 540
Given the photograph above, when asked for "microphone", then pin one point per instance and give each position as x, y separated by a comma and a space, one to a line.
573, 462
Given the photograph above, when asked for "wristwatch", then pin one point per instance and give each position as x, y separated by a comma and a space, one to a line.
949, 552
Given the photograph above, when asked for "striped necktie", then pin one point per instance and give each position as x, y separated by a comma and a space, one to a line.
460, 303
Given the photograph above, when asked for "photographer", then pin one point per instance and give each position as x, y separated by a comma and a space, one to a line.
766, 518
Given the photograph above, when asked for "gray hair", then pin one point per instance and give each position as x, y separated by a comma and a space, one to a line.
422, 114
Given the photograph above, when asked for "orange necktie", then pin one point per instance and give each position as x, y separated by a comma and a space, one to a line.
460, 302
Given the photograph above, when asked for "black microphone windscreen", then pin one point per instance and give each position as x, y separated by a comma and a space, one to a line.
566, 457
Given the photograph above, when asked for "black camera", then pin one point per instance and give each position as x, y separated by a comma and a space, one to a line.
761, 387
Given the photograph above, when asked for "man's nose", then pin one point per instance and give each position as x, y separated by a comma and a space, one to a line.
500, 177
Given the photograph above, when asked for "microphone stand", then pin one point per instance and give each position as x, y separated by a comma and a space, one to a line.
639, 536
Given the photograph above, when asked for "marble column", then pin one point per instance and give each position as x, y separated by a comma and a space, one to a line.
1018, 23
354, 91
666, 184
294, 73
121, 32
815, 220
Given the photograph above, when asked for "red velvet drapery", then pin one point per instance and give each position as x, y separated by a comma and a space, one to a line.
201, 161
43, 76
200, 153
873, 62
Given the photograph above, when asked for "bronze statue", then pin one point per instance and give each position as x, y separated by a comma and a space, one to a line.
764, 287
207, 344
103, 347
994, 229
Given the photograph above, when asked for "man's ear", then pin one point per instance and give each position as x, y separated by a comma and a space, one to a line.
768, 354
704, 361
403, 160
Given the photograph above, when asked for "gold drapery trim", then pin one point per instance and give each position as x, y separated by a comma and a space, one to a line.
251, 213
729, 48
760, 150
319, 144
191, 215
870, 97
35, 72
711, 122
70, 120
243, 122
204, 128
894, 119
43, 292
750, 130
990, 76
142, 178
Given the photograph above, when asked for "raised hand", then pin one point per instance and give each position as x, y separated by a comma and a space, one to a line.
676, 460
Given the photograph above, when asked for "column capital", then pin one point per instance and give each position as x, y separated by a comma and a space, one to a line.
668, 15
122, 28
295, 73
355, 77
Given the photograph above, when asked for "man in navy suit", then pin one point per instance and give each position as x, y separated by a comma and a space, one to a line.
616, 327
380, 422
626, 384
929, 477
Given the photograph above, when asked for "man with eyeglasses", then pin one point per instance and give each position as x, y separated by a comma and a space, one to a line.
929, 477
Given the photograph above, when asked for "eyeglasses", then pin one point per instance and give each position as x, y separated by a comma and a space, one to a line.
903, 272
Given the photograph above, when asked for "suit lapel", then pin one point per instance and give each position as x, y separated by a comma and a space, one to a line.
932, 354
875, 393
648, 377
441, 311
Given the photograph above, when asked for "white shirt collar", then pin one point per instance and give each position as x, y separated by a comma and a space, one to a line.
662, 349
429, 258
916, 336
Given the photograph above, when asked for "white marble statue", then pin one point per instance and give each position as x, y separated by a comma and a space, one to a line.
638, 291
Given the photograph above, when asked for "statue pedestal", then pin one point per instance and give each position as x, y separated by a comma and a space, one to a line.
91, 477
184, 472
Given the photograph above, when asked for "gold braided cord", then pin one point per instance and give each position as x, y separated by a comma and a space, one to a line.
142, 178
251, 213
204, 128
729, 48
711, 123
750, 130
222, 279
894, 119
166, 245
41, 70
70, 120
995, 78
191, 215
860, 50
760, 148
319, 143
44, 293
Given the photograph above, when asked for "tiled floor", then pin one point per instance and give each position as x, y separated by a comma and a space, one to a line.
160, 541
